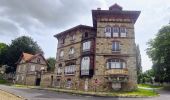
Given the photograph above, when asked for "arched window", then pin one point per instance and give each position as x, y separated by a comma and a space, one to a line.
115, 31
71, 51
123, 32
116, 63
72, 37
108, 31
85, 65
61, 53
63, 40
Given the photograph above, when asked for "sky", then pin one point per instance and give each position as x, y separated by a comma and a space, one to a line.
41, 19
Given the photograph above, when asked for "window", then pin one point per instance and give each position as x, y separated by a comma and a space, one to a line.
115, 46
72, 37
115, 31
85, 66
123, 32
85, 34
57, 82
38, 60
71, 51
32, 68
61, 53
108, 31
115, 63
86, 46
17, 77
68, 83
22, 78
59, 71
19, 68
70, 69
63, 40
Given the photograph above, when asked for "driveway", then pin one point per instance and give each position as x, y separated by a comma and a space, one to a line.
35, 94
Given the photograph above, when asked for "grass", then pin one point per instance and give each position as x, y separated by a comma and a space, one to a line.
149, 86
2, 81
136, 93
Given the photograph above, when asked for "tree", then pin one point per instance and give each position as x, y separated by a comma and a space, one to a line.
3, 53
51, 64
159, 52
138, 64
17, 47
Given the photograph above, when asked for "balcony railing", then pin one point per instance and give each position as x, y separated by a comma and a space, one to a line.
116, 72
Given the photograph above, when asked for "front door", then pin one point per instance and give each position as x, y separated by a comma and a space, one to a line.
38, 80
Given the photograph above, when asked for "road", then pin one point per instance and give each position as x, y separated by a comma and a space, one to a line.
35, 94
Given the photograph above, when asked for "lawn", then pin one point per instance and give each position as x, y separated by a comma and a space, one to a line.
2, 81
149, 86
136, 93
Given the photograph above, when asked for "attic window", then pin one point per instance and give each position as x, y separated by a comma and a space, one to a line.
86, 35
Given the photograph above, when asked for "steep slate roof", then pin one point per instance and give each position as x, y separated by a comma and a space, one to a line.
72, 29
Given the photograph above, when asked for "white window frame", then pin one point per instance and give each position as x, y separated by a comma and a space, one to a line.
115, 31
62, 53
85, 66
86, 46
72, 50
116, 64
32, 68
70, 70
108, 31
116, 45
123, 32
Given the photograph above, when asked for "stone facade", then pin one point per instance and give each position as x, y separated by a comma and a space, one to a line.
30, 69
104, 56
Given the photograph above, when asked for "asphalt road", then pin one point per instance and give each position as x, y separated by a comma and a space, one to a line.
34, 94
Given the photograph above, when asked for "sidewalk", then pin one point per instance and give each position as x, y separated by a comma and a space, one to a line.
7, 96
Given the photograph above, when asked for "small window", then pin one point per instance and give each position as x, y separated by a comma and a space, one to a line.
123, 32
57, 82
59, 71
68, 83
86, 46
70, 69
61, 53
71, 51
115, 31
86, 34
63, 40
72, 37
116, 46
38, 60
116, 63
108, 31
32, 67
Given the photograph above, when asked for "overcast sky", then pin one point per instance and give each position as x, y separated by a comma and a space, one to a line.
41, 19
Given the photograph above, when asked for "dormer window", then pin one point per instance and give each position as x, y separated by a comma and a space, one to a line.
108, 31
123, 32
115, 31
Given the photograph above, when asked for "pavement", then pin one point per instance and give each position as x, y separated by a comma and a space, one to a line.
35, 94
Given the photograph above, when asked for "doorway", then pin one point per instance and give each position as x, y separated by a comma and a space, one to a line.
38, 80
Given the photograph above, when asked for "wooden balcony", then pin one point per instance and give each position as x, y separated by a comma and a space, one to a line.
112, 72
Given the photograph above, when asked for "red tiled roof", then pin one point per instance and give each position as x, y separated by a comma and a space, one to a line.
27, 56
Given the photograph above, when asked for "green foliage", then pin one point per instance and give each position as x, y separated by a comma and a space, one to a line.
51, 64
3, 53
159, 52
148, 86
17, 47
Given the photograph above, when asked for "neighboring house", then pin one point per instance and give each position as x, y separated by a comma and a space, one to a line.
30, 69
99, 58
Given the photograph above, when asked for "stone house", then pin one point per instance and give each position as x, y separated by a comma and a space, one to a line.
101, 57
31, 70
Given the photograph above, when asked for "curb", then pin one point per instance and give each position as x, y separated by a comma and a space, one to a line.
13, 94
